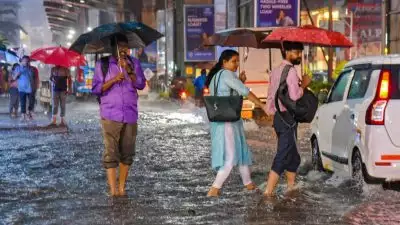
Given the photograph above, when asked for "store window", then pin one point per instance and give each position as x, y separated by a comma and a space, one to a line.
246, 13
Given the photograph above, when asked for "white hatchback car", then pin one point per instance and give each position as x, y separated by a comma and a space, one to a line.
357, 130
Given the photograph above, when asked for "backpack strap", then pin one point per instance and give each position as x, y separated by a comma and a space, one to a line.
105, 64
282, 86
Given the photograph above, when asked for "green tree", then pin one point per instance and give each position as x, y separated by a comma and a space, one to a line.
339, 67
3, 42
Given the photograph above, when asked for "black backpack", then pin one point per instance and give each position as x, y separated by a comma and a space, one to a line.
105, 64
302, 110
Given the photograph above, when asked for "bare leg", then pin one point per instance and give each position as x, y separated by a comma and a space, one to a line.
291, 177
112, 181
123, 175
63, 123
271, 183
54, 120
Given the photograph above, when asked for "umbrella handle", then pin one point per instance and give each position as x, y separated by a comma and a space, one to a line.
120, 68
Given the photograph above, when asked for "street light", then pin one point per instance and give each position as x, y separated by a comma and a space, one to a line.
70, 36
89, 28
68, 44
72, 31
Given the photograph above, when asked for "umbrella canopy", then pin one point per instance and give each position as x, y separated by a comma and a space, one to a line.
98, 40
243, 37
59, 56
309, 35
8, 56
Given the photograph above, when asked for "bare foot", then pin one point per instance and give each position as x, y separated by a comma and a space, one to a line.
113, 193
269, 195
121, 192
213, 192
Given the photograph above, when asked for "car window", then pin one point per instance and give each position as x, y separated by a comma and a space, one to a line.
359, 84
339, 88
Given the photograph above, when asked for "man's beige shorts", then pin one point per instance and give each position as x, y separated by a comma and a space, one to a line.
119, 142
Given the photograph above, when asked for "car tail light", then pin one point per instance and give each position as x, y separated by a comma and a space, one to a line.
206, 91
376, 111
183, 95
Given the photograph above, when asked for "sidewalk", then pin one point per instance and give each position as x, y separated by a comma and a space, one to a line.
40, 121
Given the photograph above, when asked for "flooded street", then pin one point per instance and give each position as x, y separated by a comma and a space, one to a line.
57, 178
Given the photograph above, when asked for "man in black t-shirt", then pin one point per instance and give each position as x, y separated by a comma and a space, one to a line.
61, 83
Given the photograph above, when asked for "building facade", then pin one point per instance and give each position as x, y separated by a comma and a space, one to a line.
11, 29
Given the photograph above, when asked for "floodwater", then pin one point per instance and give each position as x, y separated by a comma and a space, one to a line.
57, 178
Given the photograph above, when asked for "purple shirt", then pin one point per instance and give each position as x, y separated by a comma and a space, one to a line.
119, 103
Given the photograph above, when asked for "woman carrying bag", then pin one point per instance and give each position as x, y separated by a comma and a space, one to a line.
229, 146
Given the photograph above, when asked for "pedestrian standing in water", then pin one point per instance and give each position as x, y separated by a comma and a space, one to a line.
24, 74
287, 159
116, 80
229, 147
35, 87
5, 78
14, 95
61, 83
199, 84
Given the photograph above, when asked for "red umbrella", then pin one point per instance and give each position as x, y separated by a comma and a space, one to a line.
59, 56
309, 35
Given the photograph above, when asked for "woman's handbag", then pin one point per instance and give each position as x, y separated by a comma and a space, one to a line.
223, 108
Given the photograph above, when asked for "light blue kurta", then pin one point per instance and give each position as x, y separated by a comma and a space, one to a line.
228, 81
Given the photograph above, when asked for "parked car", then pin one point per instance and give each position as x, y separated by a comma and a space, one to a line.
356, 131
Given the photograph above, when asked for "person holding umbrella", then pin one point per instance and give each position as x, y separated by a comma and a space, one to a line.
60, 77
287, 159
117, 87
61, 83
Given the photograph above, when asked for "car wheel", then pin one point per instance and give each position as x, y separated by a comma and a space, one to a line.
357, 172
316, 156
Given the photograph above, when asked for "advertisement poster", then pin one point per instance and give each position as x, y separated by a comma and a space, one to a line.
220, 15
147, 56
277, 13
367, 28
199, 26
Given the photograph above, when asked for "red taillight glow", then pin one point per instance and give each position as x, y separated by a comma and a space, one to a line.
206, 91
183, 95
376, 111
383, 164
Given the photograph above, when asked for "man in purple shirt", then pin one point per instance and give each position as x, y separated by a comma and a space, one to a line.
118, 110
287, 158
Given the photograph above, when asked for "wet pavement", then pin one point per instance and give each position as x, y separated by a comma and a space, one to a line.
52, 177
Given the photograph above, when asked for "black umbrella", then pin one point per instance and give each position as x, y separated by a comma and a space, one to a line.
99, 39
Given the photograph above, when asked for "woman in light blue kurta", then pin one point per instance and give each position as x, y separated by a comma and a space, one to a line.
229, 146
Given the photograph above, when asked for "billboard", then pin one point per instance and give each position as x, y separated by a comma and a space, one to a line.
199, 26
277, 13
367, 27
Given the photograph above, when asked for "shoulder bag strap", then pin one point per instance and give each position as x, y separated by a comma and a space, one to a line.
216, 82
282, 84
